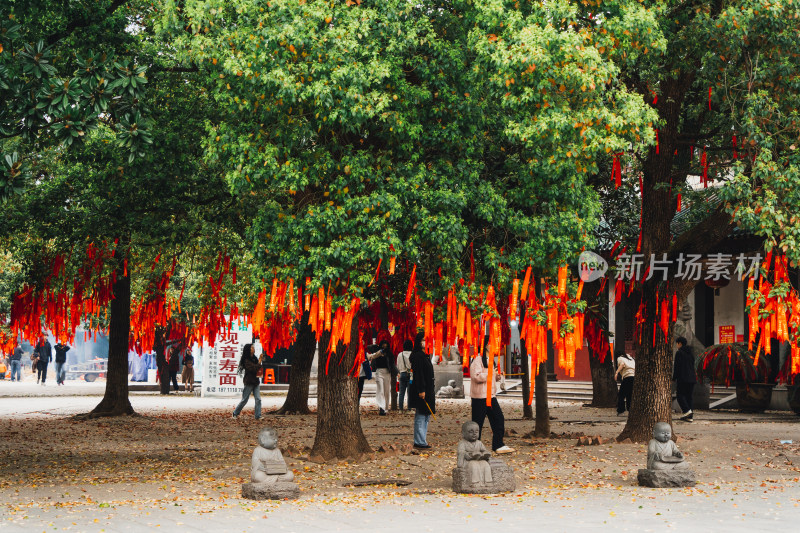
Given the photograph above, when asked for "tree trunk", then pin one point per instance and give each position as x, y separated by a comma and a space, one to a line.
652, 390
115, 401
604, 386
339, 434
304, 347
542, 428
527, 411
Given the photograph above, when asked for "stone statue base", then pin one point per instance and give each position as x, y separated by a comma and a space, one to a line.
444, 373
666, 478
502, 480
282, 490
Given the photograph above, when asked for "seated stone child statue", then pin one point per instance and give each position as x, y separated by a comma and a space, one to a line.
662, 453
449, 391
473, 456
268, 465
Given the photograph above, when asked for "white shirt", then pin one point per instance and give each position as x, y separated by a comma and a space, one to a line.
403, 362
626, 367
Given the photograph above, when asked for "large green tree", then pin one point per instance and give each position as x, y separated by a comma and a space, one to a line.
424, 131
166, 201
722, 78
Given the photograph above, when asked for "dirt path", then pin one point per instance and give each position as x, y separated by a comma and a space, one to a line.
202, 456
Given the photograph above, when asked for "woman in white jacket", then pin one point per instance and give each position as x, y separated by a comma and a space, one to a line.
478, 374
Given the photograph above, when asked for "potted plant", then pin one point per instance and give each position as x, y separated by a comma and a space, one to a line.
723, 364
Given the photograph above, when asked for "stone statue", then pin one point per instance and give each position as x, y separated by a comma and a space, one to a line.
665, 463
662, 453
683, 328
473, 456
268, 465
269, 476
452, 356
477, 471
450, 391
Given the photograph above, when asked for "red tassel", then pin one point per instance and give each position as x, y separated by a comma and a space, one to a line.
657, 143
616, 171
735, 154
674, 307
704, 164
411, 282
471, 262
641, 209
709, 98
679, 202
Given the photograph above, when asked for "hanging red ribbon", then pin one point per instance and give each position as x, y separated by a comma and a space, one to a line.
704, 165
616, 171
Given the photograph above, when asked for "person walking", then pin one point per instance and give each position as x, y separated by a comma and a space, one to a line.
249, 368
187, 376
626, 367
478, 389
44, 355
421, 391
174, 364
16, 363
404, 370
685, 376
61, 361
381, 360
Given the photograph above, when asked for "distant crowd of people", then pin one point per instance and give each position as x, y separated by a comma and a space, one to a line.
40, 357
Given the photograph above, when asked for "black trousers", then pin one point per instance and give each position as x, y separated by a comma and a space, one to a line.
624, 395
480, 412
361, 386
41, 371
685, 391
173, 377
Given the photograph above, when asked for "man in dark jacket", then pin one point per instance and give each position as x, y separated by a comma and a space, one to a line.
422, 394
61, 360
16, 363
44, 352
174, 365
685, 377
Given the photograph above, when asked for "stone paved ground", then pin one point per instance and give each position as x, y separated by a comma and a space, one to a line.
180, 466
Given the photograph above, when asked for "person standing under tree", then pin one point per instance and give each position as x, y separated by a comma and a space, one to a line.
249, 368
626, 367
187, 376
16, 363
685, 377
479, 374
44, 354
381, 359
61, 361
421, 394
174, 365
404, 370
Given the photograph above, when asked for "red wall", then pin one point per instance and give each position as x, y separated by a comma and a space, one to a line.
582, 370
